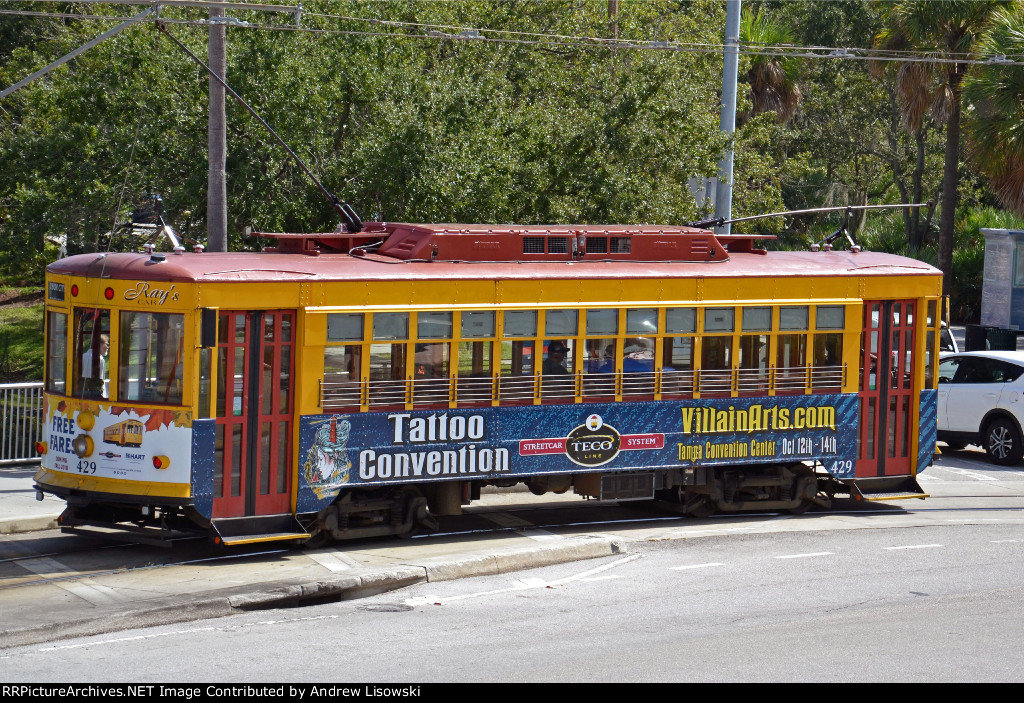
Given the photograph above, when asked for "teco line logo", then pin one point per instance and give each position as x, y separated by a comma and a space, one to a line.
592, 443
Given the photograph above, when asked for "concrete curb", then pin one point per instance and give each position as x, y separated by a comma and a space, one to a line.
283, 594
27, 523
503, 561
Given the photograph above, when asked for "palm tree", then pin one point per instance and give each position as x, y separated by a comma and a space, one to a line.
772, 81
995, 119
947, 29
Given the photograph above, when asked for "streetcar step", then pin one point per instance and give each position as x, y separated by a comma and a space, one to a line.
886, 488
261, 528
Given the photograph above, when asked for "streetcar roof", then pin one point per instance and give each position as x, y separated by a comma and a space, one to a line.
399, 251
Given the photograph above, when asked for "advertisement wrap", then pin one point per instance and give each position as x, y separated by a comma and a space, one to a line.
98, 440
382, 448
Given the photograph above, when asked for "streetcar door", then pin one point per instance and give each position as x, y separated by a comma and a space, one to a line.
886, 389
253, 466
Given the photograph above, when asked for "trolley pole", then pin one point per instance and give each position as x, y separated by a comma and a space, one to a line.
727, 124
217, 194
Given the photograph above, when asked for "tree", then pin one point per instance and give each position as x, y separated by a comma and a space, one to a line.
948, 29
401, 125
772, 81
995, 95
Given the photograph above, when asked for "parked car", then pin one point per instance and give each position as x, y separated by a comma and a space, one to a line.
981, 401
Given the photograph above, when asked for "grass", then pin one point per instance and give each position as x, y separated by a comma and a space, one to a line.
21, 338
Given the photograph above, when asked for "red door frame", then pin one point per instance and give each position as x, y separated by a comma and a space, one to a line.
887, 388
256, 361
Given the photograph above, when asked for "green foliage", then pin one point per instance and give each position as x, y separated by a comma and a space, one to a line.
995, 97
413, 128
404, 128
21, 339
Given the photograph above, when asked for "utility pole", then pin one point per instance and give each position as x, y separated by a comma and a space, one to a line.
217, 193
727, 124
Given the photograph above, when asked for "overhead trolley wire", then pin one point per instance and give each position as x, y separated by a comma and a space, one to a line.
443, 32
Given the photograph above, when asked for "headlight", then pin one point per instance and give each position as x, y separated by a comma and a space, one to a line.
83, 446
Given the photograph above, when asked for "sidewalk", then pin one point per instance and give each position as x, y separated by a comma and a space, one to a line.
19, 509
49, 597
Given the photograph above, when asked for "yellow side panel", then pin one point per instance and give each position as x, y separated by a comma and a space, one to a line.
114, 486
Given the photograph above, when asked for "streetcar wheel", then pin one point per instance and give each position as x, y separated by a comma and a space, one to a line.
705, 508
318, 540
1002, 442
802, 508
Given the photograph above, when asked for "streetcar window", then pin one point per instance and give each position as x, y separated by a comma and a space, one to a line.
678, 352
431, 360
827, 358
719, 320
475, 370
642, 321
477, 324
430, 371
557, 368
604, 322
931, 342
599, 361
753, 364
757, 319
387, 361
152, 346
475, 358
205, 372
830, 317
681, 320
561, 323
517, 370
345, 327
91, 353
520, 323
391, 325
387, 374
793, 318
791, 362
827, 361
434, 325
56, 352
715, 364
716, 351
753, 351
599, 355
638, 366
518, 356
342, 372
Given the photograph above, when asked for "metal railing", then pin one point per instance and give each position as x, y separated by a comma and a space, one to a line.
21, 414
514, 390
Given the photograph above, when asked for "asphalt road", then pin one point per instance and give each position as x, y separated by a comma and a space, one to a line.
936, 603
908, 591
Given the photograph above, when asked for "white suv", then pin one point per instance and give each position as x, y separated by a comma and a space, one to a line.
981, 401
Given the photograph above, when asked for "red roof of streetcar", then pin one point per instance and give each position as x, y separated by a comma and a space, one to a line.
397, 251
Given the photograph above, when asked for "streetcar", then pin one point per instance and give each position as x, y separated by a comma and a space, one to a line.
362, 383
126, 433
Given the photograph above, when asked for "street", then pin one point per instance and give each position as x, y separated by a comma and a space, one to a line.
911, 591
